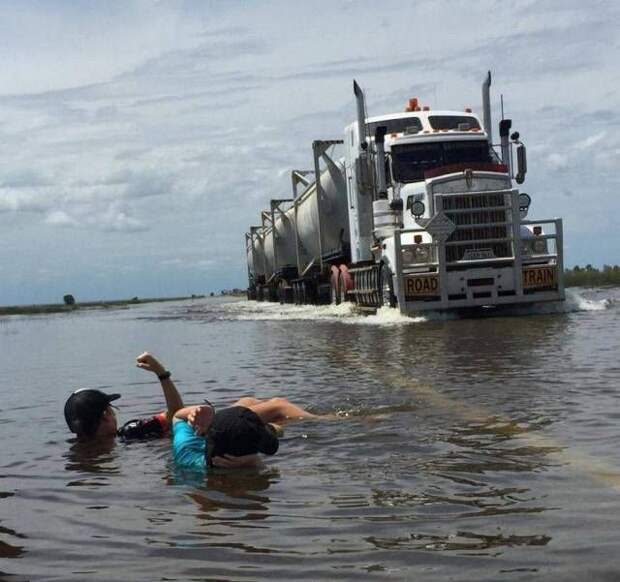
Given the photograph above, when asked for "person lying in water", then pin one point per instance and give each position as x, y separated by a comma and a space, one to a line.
89, 413
232, 437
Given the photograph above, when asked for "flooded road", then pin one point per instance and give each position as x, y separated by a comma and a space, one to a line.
464, 449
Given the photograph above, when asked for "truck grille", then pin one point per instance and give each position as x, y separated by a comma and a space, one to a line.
475, 216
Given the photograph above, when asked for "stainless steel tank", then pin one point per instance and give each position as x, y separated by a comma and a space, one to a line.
334, 218
268, 252
284, 233
256, 256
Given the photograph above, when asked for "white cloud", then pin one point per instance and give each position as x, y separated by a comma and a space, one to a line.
168, 126
557, 161
60, 218
590, 141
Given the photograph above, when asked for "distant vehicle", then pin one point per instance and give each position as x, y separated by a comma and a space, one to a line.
421, 213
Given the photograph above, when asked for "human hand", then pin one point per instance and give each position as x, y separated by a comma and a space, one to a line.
233, 462
148, 362
200, 418
277, 429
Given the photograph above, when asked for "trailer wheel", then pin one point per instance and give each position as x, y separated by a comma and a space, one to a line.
345, 283
296, 300
334, 295
386, 288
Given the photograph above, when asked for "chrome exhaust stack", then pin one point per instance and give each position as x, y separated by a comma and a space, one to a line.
361, 114
486, 107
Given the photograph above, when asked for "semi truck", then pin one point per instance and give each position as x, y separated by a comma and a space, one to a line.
420, 211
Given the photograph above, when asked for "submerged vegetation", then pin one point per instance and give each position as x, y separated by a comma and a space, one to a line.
590, 276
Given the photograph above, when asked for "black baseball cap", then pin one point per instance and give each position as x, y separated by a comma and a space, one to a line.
84, 408
237, 430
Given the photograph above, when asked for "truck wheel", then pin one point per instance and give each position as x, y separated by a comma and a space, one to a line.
342, 289
345, 284
386, 288
334, 291
296, 293
334, 286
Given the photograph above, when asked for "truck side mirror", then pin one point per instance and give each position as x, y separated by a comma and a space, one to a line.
521, 164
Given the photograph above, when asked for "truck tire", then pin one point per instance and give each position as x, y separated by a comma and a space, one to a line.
334, 294
342, 289
303, 294
386, 288
296, 293
334, 286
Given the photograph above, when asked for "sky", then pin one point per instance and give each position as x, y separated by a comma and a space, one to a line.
140, 139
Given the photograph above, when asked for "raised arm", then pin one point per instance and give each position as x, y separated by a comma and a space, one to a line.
174, 401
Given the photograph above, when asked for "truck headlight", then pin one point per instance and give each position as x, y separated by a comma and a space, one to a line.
534, 246
416, 254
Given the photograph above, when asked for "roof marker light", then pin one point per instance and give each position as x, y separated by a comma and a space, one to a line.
412, 104
426, 108
467, 109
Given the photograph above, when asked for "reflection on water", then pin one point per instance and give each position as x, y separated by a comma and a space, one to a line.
462, 449
223, 489
9, 550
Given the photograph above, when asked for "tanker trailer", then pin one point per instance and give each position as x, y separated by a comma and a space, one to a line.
306, 235
280, 251
255, 252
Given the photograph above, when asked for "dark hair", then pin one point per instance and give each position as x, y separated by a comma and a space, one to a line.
239, 431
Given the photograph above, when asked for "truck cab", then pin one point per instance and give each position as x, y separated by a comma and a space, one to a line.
449, 224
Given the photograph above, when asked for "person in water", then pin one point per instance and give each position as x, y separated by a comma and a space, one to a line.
89, 413
232, 437
238, 430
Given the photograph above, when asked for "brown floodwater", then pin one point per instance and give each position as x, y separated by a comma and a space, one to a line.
465, 449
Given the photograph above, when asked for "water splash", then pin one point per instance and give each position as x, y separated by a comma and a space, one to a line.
264, 311
347, 313
576, 301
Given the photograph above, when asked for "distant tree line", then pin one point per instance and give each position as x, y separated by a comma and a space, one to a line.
590, 276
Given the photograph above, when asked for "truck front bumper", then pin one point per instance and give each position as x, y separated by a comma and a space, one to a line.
479, 287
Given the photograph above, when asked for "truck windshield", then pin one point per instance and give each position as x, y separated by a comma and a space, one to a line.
401, 125
453, 122
409, 162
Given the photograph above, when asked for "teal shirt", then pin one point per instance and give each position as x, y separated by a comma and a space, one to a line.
188, 449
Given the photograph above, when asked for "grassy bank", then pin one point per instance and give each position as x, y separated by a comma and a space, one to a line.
590, 276
61, 307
